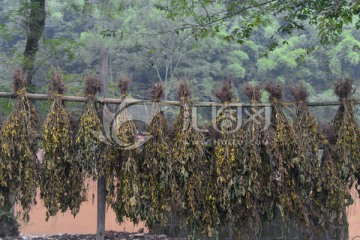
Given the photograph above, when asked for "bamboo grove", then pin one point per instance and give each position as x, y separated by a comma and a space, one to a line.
230, 174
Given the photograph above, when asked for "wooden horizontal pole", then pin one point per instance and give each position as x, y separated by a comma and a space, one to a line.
131, 101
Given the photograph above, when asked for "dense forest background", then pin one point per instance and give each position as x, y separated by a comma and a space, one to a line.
145, 44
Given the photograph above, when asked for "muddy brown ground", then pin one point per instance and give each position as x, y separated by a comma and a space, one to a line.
110, 235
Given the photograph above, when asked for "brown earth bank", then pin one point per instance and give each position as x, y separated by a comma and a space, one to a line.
84, 224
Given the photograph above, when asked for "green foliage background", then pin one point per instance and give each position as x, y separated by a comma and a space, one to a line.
147, 45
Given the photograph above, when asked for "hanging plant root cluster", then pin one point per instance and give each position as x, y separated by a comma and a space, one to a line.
248, 176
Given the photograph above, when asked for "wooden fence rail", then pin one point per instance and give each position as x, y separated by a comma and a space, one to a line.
131, 101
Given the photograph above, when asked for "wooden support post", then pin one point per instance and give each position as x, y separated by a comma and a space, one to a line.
101, 208
101, 184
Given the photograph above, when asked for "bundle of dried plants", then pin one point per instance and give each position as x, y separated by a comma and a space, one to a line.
18, 147
89, 136
225, 149
347, 133
155, 166
121, 163
2, 177
330, 195
188, 169
282, 151
309, 140
61, 182
254, 192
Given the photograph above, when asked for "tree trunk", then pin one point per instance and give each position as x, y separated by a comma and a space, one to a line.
101, 184
35, 28
104, 72
9, 227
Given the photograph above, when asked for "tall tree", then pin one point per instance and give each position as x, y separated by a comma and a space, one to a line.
35, 28
35, 25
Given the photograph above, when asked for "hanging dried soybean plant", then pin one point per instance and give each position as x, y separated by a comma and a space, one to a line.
309, 140
88, 140
188, 166
254, 192
18, 147
2, 177
347, 133
282, 152
123, 179
62, 182
155, 170
226, 149
331, 195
